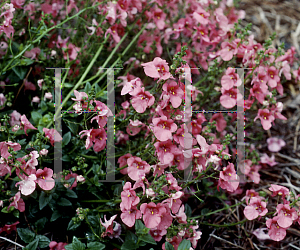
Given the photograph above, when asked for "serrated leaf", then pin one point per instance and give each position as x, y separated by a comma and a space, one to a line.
184, 245
95, 246
87, 87
66, 139
77, 244
26, 234
43, 241
64, 202
68, 247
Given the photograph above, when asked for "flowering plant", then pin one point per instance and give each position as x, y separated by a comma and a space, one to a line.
173, 69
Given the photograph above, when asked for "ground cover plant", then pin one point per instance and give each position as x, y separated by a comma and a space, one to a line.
174, 102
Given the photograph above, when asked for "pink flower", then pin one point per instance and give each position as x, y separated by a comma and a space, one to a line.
228, 50
174, 201
27, 185
201, 16
174, 91
123, 162
18, 202
250, 194
98, 136
32, 54
133, 128
14, 118
137, 168
36, 99
279, 190
32, 162
228, 179
265, 159
81, 98
25, 124
4, 146
110, 230
128, 196
152, 214
48, 95
18, 3
273, 78
229, 98
265, 117
57, 246
129, 216
158, 68
53, 135
230, 79
141, 99
9, 228
260, 234
44, 178
163, 128
275, 144
255, 208
43, 152
164, 151
259, 91
286, 215
157, 234
69, 176
221, 123
181, 216
276, 232
252, 172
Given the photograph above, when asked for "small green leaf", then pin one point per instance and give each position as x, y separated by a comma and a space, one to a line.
184, 245
64, 202
72, 226
44, 106
168, 246
26, 234
43, 241
66, 158
187, 210
44, 199
139, 225
36, 116
95, 246
20, 72
77, 244
87, 87
16, 213
55, 216
32, 246
68, 247
4, 210
147, 238
40, 224
66, 139
70, 193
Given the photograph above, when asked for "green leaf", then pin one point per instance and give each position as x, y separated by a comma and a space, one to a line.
26, 234
44, 199
43, 241
130, 236
64, 202
36, 116
129, 245
16, 213
40, 224
184, 245
68, 85
66, 158
72, 226
187, 210
26, 61
32, 246
139, 225
72, 126
68, 247
147, 238
87, 87
4, 210
95, 246
168, 246
77, 244
44, 106
55, 216
70, 193
20, 72
66, 139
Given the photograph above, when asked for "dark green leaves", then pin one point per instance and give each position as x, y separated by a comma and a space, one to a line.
26, 235
95, 246
66, 139
168, 246
184, 245
44, 199
20, 71
64, 202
